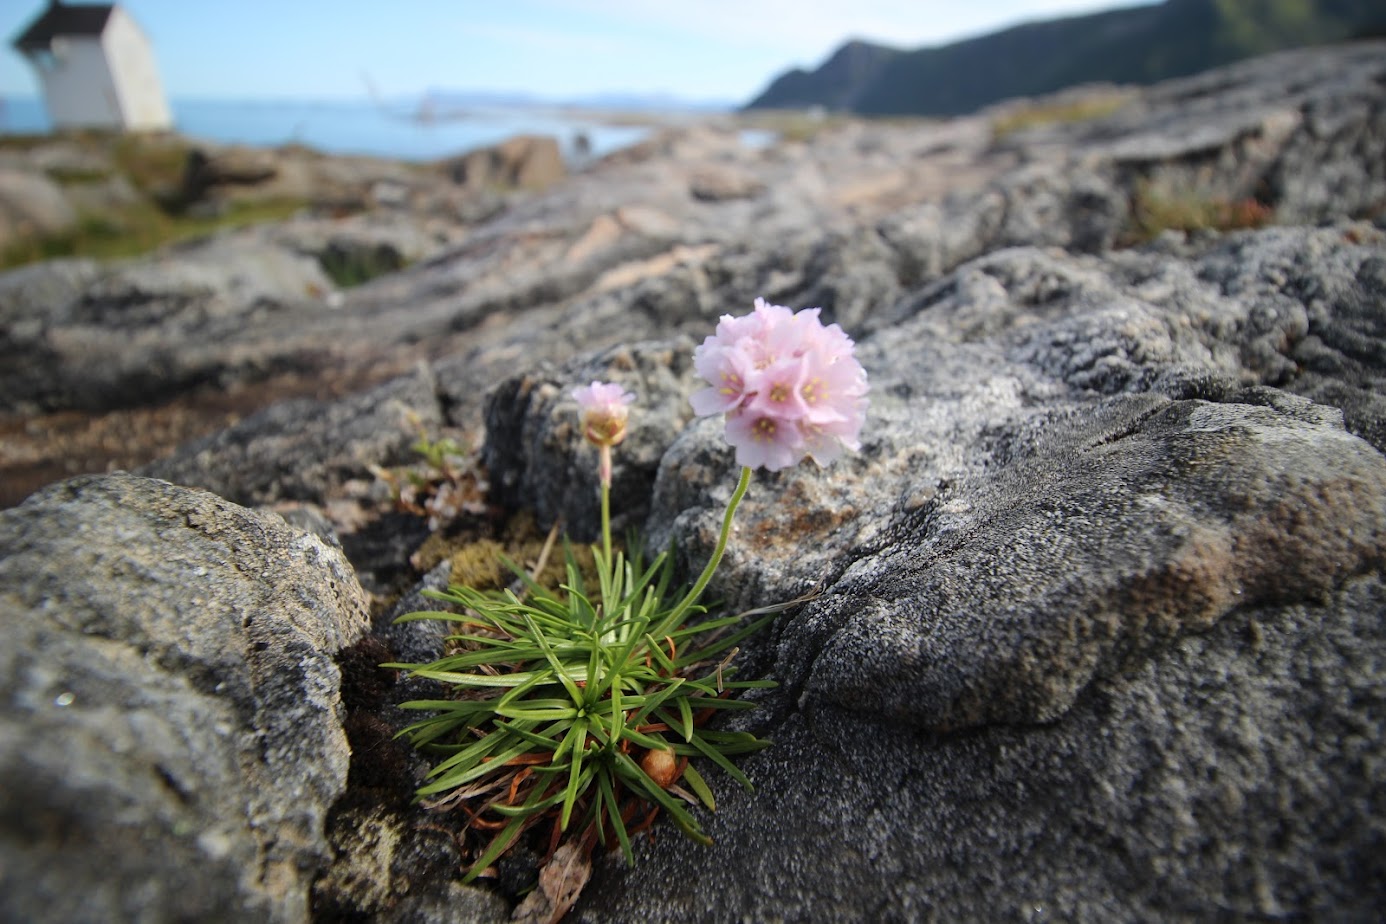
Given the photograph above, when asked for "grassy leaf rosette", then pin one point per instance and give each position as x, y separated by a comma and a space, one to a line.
587, 707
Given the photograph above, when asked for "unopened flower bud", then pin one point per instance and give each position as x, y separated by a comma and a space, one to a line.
605, 409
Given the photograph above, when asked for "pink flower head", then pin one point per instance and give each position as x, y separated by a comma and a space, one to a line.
789, 386
605, 408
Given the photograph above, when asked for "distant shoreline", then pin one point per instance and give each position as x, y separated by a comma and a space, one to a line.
389, 129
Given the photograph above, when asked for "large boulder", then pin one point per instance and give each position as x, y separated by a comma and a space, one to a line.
171, 739
1097, 617
524, 161
143, 331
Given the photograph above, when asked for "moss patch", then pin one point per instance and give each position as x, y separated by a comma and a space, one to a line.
1156, 209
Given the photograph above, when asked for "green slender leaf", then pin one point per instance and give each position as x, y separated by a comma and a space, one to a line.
538, 678
477, 680
720, 760
596, 731
459, 775
546, 740
427, 731
581, 611
644, 740
470, 754
559, 667
614, 813
649, 703
655, 648
441, 615
573, 740
723, 644
685, 722
597, 679
619, 657
576, 784
527, 810
733, 742
617, 717
540, 714
699, 786
522, 575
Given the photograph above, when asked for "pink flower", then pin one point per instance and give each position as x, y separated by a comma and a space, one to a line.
789, 386
605, 409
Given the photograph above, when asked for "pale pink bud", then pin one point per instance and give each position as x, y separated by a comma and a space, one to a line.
605, 409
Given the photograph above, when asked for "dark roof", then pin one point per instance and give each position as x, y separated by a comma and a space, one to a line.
62, 19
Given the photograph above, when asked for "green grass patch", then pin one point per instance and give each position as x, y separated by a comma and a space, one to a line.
154, 164
792, 124
78, 176
137, 230
1086, 109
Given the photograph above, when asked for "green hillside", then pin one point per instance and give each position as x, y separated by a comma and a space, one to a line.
1136, 45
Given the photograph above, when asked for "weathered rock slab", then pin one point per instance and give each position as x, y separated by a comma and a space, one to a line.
171, 741
1060, 594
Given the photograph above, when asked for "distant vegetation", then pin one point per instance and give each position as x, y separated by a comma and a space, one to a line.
1156, 209
150, 215
1133, 45
1050, 112
133, 231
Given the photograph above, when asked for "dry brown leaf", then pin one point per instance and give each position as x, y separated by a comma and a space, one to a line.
561, 881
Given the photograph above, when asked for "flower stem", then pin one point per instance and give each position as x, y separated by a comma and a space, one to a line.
606, 502
675, 617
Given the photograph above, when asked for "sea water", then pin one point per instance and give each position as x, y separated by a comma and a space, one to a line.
393, 130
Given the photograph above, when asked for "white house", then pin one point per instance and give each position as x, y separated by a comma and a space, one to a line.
96, 67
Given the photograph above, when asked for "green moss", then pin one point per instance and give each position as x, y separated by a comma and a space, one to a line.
478, 564
349, 267
479, 561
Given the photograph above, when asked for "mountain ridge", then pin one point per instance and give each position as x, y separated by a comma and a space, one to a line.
1130, 45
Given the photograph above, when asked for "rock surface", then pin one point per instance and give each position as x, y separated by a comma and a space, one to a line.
1095, 603
31, 204
171, 739
1097, 629
525, 161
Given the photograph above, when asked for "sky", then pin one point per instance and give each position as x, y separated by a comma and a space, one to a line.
695, 50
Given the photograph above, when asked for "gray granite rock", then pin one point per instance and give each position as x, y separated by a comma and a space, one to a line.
1096, 632
1087, 498
1234, 775
299, 450
534, 438
144, 331
171, 737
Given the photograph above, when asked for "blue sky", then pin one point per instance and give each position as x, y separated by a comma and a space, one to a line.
726, 50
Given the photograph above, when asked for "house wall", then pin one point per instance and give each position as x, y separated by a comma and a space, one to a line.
139, 90
78, 88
